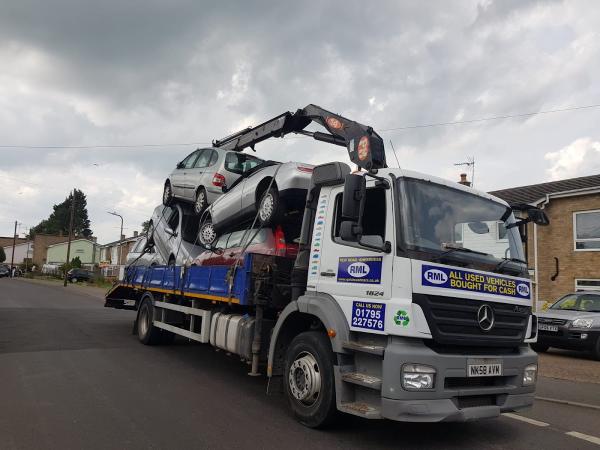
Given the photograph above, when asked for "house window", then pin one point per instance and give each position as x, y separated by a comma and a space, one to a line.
587, 285
586, 230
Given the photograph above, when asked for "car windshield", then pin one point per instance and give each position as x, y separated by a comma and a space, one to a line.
441, 220
579, 302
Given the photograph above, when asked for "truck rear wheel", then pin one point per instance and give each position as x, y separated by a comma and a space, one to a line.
148, 334
309, 381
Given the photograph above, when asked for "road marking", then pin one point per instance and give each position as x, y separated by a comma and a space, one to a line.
526, 419
568, 402
585, 437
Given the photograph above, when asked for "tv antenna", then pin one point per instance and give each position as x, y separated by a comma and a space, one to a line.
470, 162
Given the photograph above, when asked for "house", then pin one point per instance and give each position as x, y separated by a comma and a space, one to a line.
23, 251
40, 246
564, 256
86, 249
115, 253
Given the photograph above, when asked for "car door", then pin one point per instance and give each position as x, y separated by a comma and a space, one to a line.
195, 174
178, 182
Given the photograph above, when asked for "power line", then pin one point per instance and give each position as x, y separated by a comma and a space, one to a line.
407, 127
485, 119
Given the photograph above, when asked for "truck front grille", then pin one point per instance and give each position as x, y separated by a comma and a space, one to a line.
453, 321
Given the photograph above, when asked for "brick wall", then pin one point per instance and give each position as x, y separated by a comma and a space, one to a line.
557, 240
8, 241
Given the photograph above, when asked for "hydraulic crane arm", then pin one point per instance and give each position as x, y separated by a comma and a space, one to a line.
364, 145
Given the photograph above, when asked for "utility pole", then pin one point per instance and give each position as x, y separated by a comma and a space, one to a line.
70, 235
12, 258
120, 250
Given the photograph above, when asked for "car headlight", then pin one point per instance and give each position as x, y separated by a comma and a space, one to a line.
583, 323
530, 375
417, 377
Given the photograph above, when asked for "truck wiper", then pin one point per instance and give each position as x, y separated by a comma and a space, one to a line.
457, 249
505, 261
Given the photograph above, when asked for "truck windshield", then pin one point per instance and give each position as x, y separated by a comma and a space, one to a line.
441, 221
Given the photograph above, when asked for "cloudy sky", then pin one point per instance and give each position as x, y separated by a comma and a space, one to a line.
152, 75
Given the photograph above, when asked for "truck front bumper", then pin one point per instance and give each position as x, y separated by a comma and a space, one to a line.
454, 397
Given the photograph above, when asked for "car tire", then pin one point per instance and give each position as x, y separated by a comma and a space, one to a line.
540, 348
167, 194
269, 207
200, 202
147, 333
596, 351
74, 280
309, 380
207, 234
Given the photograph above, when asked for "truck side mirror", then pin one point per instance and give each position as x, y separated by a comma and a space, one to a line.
350, 231
538, 216
355, 189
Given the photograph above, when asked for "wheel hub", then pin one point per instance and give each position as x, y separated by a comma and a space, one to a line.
167, 193
144, 322
266, 207
199, 205
207, 234
305, 379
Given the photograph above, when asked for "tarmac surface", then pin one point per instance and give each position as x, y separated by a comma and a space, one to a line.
74, 376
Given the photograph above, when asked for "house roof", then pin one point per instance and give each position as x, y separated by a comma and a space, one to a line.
535, 192
129, 239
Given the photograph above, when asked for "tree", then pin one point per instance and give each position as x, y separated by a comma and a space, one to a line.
145, 226
76, 262
58, 221
2, 255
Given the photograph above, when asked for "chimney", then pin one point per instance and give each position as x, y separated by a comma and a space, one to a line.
135, 234
463, 180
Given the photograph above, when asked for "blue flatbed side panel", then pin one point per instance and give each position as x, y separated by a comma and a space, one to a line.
163, 277
212, 280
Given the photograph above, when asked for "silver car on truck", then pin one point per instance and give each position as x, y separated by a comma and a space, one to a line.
200, 176
276, 191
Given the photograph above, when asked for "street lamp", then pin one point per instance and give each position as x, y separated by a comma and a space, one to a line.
120, 235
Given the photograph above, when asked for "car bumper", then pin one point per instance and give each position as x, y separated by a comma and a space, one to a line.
455, 396
568, 338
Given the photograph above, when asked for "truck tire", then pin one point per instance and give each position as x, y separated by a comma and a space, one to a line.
540, 348
309, 380
148, 334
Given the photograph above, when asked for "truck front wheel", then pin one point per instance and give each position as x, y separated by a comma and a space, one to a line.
309, 379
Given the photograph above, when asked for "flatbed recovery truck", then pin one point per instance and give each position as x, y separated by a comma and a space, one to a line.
387, 311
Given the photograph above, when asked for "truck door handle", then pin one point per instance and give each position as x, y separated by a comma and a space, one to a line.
328, 274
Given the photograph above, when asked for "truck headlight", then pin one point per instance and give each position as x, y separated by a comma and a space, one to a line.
417, 377
530, 375
583, 323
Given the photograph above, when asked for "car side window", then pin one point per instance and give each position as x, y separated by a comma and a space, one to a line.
174, 220
240, 162
203, 159
214, 157
188, 162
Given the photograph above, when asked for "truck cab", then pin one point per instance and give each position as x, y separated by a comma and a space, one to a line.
434, 295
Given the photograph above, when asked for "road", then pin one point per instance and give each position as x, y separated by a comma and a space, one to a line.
74, 376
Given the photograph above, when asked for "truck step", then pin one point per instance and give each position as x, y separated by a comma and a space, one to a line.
361, 409
362, 379
364, 347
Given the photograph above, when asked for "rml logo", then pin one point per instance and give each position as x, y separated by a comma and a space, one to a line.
435, 276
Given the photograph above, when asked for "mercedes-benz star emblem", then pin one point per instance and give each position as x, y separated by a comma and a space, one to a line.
485, 317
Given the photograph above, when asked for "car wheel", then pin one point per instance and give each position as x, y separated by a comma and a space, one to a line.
74, 280
596, 351
308, 379
268, 209
167, 194
540, 348
201, 201
207, 234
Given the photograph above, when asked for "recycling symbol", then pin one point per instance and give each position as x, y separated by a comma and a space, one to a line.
401, 318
